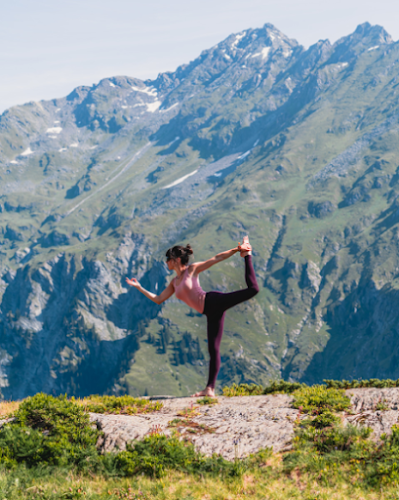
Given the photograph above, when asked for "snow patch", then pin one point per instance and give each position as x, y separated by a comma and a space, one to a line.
14, 162
58, 110
111, 84
171, 107
237, 40
244, 155
149, 91
62, 149
287, 53
373, 48
27, 152
272, 36
124, 107
256, 142
153, 106
74, 145
264, 53
56, 121
340, 65
54, 130
180, 180
52, 137
93, 147
227, 57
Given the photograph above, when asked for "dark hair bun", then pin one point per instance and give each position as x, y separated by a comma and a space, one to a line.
180, 252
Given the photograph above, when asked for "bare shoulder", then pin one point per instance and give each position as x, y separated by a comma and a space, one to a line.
193, 267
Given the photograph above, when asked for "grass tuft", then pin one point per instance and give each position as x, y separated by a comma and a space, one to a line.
126, 405
207, 400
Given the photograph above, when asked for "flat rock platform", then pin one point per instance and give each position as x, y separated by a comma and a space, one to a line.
238, 426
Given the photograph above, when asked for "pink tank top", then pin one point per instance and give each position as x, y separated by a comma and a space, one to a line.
189, 291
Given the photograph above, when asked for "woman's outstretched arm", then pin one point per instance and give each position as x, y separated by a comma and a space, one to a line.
198, 267
158, 299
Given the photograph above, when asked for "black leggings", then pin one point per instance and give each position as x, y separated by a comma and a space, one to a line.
216, 305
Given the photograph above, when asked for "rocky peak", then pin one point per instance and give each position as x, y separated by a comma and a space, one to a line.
365, 38
372, 34
251, 50
79, 93
316, 55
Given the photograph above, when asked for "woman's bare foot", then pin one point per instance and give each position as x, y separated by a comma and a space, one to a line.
245, 247
208, 391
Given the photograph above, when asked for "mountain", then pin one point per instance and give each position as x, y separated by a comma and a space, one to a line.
297, 148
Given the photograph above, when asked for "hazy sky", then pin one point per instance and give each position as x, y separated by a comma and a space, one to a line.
50, 47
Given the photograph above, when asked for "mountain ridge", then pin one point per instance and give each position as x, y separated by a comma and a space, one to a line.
257, 135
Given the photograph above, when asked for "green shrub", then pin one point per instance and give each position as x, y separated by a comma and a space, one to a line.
155, 454
322, 420
316, 448
318, 398
385, 467
282, 387
354, 384
275, 387
50, 431
243, 390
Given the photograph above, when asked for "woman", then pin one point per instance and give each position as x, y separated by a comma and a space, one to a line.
212, 304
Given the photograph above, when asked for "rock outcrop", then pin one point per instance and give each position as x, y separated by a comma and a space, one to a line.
238, 426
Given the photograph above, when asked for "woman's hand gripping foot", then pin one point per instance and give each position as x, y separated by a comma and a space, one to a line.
208, 391
245, 248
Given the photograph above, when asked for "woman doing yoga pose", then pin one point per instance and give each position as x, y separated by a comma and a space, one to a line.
212, 304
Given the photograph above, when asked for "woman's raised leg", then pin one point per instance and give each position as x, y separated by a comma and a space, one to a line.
222, 301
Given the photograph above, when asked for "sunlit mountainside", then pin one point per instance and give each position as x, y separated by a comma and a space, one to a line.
297, 148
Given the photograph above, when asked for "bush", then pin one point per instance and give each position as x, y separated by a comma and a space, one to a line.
243, 390
155, 454
385, 467
316, 448
322, 420
275, 387
50, 431
354, 384
283, 387
318, 398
